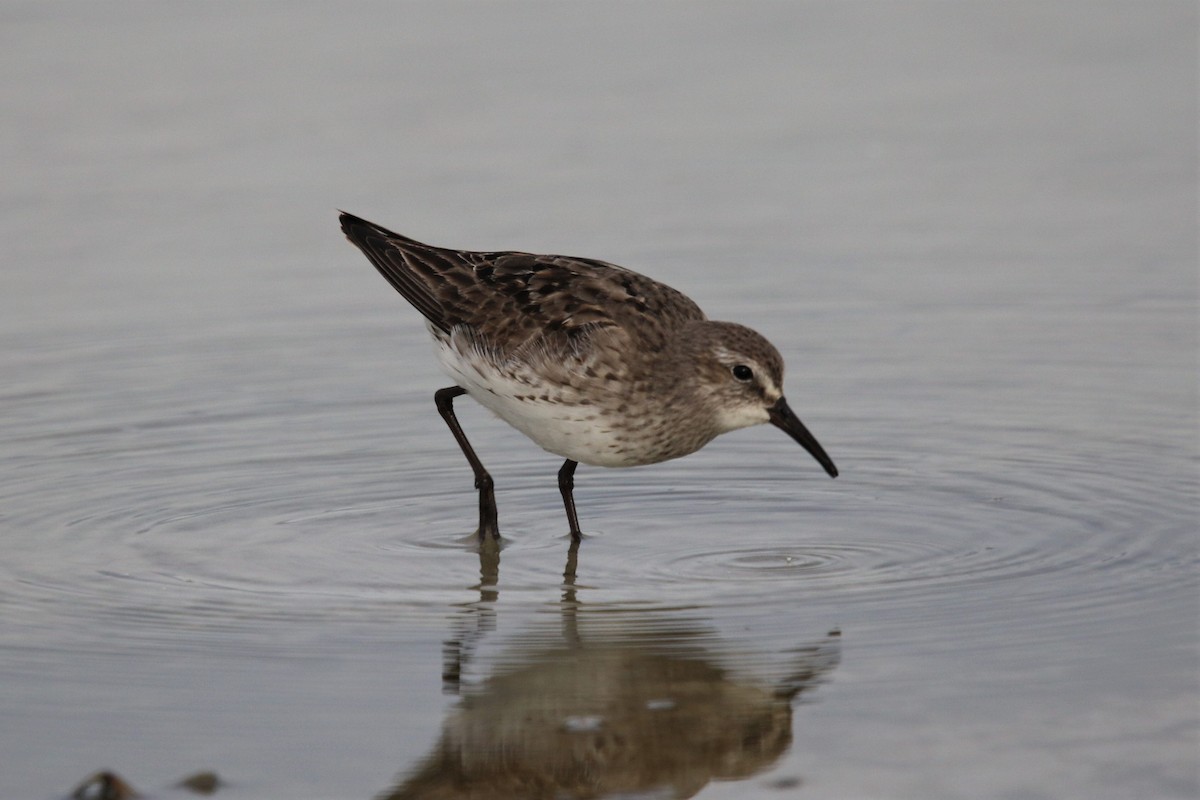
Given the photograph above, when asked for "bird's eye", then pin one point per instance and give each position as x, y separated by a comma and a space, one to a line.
742, 372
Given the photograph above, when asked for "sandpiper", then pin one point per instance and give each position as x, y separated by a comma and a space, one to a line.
594, 362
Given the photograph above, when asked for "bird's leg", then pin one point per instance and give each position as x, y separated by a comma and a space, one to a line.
566, 485
483, 481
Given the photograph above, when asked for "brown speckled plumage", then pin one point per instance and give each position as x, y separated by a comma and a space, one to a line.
594, 362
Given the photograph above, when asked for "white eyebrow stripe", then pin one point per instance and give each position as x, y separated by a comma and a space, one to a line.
727, 356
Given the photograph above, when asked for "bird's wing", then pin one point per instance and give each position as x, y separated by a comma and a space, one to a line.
415, 270
514, 298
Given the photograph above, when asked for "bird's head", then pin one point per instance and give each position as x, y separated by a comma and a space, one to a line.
738, 381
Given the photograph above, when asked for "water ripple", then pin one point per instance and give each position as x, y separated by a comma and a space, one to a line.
180, 519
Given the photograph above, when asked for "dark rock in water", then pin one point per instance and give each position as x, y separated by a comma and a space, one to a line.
108, 785
104, 785
201, 783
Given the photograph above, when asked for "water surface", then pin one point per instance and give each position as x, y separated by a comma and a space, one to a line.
234, 528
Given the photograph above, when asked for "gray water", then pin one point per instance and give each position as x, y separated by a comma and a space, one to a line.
234, 530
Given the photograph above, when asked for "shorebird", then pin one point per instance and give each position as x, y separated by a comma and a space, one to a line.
594, 362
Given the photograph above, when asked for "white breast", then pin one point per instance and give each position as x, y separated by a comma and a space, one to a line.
548, 413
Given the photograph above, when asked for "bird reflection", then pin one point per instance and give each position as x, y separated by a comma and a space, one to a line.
605, 702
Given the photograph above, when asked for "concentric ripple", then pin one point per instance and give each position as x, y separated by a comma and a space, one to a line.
1080, 536
159, 519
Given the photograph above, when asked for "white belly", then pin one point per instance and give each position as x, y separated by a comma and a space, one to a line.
549, 415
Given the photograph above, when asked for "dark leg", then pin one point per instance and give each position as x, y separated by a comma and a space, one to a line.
483, 481
566, 485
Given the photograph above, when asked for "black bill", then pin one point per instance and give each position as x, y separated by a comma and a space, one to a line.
783, 418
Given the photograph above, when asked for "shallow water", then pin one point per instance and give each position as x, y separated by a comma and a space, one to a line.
235, 532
